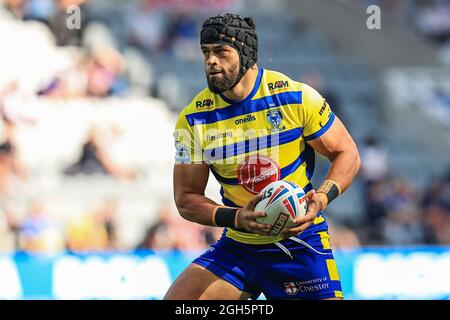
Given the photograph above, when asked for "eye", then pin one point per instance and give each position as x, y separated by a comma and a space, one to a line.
205, 53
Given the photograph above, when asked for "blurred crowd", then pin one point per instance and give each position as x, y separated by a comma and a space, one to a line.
433, 21
108, 57
431, 18
395, 211
110, 48
105, 55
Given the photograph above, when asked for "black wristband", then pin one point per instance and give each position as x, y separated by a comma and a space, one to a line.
331, 191
225, 217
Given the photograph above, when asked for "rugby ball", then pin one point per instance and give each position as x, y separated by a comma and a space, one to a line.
282, 201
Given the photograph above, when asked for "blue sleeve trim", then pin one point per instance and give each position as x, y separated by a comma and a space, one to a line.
322, 130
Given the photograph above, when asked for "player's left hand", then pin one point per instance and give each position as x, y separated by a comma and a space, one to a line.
302, 223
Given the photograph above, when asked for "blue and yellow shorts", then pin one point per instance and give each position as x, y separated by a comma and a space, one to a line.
287, 270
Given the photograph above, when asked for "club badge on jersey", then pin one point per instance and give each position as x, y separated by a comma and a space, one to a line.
274, 117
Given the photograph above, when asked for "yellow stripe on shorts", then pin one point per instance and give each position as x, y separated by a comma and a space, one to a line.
332, 269
325, 239
318, 220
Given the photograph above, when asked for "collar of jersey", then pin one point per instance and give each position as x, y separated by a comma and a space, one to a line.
252, 93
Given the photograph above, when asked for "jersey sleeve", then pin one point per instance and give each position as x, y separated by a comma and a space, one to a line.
187, 145
316, 116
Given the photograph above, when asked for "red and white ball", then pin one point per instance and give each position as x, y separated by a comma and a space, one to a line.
282, 201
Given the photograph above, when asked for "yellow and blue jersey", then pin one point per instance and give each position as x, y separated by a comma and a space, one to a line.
250, 143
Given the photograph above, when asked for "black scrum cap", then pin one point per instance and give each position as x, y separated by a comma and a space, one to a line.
236, 31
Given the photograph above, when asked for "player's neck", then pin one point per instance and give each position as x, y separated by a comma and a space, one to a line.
244, 87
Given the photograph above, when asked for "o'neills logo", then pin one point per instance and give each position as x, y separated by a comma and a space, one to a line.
256, 172
247, 118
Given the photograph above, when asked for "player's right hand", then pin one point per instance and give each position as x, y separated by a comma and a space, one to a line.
246, 218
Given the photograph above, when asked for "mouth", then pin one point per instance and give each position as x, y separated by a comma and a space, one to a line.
214, 73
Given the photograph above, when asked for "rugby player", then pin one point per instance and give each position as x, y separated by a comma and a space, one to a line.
249, 127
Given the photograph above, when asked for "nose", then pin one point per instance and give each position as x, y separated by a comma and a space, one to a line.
212, 60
